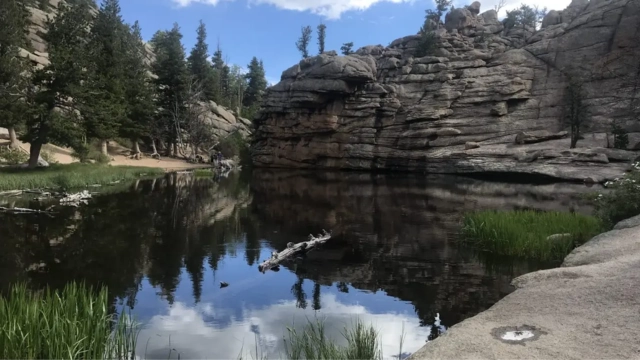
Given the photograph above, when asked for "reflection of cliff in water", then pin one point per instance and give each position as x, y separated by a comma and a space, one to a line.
396, 233
153, 229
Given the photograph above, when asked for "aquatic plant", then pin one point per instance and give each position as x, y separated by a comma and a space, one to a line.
622, 199
74, 323
544, 235
363, 342
70, 176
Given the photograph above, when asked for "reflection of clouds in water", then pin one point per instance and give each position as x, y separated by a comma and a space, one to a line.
193, 334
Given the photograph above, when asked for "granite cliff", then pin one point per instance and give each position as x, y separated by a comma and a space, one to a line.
489, 100
223, 121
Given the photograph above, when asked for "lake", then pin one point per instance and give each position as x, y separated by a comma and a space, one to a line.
163, 246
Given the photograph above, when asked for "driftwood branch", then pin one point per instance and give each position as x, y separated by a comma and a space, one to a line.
292, 250
17, 210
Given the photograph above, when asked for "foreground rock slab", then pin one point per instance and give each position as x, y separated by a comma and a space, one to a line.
589, 308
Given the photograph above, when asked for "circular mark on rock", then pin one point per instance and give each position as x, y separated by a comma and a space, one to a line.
517, 335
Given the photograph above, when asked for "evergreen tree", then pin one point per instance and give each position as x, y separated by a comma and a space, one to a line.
199, 65
14, 17
347, 48
256, 85
138, 90
60, 82
303, 42
221, 76
171, 70
322, 28
104, 105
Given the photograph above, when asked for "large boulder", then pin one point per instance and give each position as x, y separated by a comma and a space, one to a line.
383, 108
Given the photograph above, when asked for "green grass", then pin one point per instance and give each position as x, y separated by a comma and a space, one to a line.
524, 233
203, 172
72, 324
363, 342
70, 176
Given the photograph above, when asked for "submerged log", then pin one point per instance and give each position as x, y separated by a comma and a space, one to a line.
16, 210
292, 250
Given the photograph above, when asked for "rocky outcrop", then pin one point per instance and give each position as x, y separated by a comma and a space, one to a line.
222, 120
382, 108
559, 312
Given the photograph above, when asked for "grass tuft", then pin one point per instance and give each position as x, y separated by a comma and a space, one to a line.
70, 176
363, 342
203, 172
524, 233
72, 324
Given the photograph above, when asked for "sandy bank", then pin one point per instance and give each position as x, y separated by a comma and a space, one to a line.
63, 156
589, 308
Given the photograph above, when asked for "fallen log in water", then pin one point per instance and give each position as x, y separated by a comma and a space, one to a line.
292, 250
16, 210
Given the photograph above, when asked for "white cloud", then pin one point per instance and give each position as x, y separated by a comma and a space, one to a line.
194, 333
330, 9
513, 4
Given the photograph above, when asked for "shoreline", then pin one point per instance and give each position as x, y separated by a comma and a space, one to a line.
587, 308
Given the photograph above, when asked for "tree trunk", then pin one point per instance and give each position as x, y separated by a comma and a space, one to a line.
103, 148
153, 146
34, 154
169, 149
136, 146
14, 138
175, 149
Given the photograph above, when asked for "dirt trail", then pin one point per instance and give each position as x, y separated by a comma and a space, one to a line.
116, 152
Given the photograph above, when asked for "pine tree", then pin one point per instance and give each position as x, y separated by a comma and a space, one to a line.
104, 105
14, 17
60, 82
322, 29
256, 85
303, 42
347, 48
199, 65
221, 76
170, 68
139, 93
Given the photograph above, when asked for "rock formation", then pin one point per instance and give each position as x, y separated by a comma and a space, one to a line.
222, 120
490, 99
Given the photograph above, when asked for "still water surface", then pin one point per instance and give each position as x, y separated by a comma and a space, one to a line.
163, 247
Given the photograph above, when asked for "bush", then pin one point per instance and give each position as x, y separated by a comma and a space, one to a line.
622, 201
235, 145
12, 157
86, 153
525, 233
620, 137
48, 157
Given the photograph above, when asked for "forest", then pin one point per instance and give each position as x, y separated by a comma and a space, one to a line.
103, 82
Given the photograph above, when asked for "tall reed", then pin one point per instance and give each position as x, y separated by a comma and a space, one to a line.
525, 233
74, 323
363, 342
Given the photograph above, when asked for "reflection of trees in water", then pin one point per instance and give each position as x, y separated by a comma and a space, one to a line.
396, 234
154, 229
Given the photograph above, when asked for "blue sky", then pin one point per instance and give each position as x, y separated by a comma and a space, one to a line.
268, 29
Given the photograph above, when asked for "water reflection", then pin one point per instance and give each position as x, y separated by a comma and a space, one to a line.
163, 247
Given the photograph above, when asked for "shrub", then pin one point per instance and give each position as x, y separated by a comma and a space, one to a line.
13, 157
621, 201
525, 233
620, 137
48, 157
234, 145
